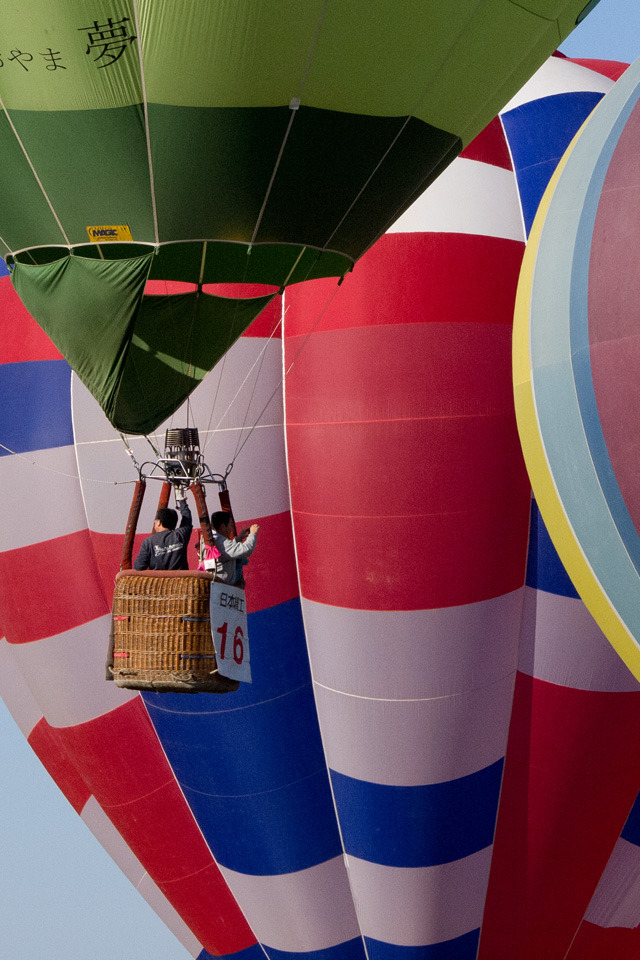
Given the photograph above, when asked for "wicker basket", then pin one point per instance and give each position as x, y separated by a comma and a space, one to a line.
161, 634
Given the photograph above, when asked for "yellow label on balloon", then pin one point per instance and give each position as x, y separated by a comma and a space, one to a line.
120, 233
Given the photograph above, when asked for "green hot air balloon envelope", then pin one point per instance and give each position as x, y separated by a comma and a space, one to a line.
249, 142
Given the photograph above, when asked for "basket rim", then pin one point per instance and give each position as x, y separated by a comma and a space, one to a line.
165, 574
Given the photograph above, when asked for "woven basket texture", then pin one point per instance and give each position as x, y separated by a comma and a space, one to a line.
162, 632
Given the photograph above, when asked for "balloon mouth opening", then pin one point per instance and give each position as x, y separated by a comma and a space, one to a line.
235, 268
176, 269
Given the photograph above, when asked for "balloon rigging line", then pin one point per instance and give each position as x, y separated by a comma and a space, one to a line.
369, 178
298, 259
33, 170
176, 339
294, 104
413, 195
255, 384
577, 930
237, 393
202, 262
145, 107
189, 346
3, 241
224, 356
61, 473
421, 96
292, 115
288, 370
157, 452
284, 313
309, 269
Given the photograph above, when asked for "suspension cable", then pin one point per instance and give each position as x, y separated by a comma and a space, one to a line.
61, 473
288, 370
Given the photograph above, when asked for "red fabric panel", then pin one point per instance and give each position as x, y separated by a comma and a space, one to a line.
240, 291
608, 68
121, 760
268, 582
406, 468
414, 278
614, 284
118, 754
22, 339
107, 548
571, 777
614, 293
605, 943
45, 743
490, 146
267, 322
438, 561
50, 587
166, 288
206, 905
407, 480
432, 378
271, 575
614, 368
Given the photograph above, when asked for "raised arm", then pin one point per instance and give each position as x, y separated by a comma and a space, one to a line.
236, 549
186, 521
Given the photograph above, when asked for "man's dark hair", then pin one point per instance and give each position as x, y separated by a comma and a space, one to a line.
217, 519
168, 518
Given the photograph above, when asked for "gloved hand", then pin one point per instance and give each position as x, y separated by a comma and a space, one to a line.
180, 489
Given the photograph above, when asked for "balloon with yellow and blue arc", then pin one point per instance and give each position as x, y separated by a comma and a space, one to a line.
576, 354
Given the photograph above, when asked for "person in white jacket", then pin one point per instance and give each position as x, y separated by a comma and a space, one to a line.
231, 551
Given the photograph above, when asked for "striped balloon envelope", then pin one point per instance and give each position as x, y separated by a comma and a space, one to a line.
344, 805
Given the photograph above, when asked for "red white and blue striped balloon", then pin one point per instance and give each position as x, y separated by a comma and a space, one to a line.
344, 805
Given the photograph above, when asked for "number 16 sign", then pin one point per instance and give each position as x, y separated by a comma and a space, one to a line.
229, 629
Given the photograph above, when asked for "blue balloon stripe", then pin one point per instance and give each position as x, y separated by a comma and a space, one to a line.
545, 570
268, 834
254, 952
250, 751
534, 157
631, 829
35, 406
349, 950
464, 947
251, 763
418, 826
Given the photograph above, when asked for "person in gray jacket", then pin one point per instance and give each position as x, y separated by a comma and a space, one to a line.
232, 552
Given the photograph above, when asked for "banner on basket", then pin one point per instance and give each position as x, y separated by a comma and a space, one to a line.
229, 629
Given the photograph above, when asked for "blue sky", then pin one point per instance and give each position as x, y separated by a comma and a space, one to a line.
610, 32
61, 896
